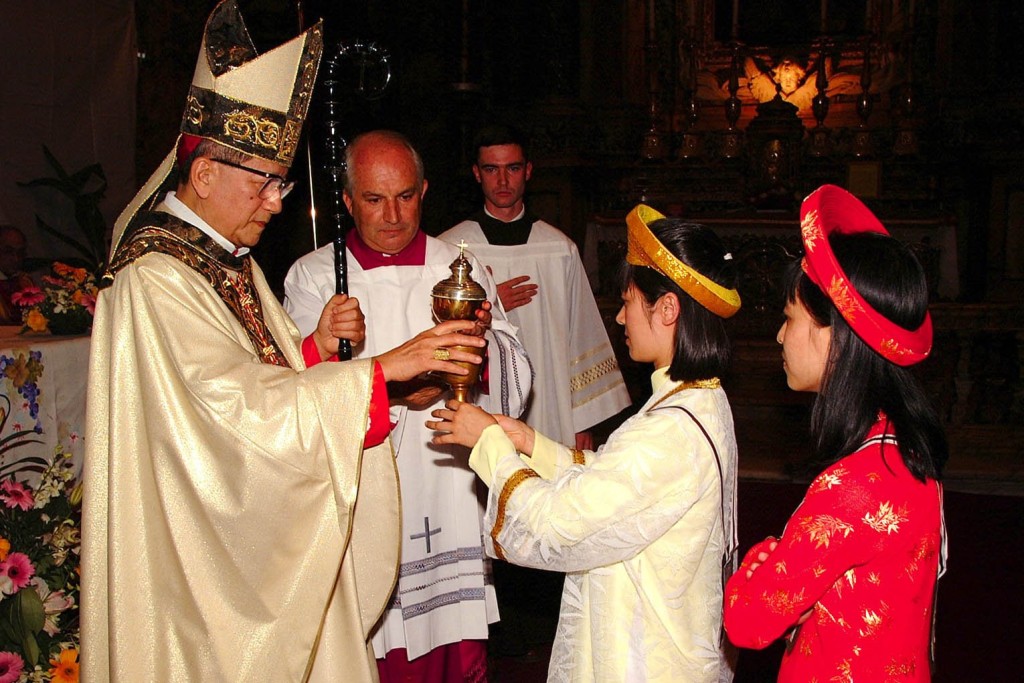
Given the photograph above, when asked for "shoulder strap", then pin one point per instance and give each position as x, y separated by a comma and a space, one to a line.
728, 556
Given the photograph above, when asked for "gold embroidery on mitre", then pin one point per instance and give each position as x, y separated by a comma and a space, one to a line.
511, 484
810, 230
243, 126
821, 529
268, 133
839, 293
886, 519
194, 111
289, 141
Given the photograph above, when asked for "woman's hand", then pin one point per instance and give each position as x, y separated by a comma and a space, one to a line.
431, 350
459, 423
340, 319
762, 557
520, 433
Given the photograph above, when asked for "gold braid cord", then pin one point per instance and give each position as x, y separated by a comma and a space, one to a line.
511, 484
164, 234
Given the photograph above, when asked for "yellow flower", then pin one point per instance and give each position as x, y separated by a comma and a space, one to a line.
5, 547
36, 321
65, 670
18, 371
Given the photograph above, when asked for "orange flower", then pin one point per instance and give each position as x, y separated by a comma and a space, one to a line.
5, 547
36, 321
65, 670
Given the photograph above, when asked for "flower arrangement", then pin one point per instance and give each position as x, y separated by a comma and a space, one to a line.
39, 571
64, 304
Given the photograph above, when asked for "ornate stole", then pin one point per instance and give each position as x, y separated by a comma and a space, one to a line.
230, 276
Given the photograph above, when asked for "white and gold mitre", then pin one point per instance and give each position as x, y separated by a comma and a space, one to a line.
253, 103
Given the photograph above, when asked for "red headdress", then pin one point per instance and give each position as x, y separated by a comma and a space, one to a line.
831, 209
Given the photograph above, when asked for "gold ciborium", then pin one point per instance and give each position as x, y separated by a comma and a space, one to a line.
459, 297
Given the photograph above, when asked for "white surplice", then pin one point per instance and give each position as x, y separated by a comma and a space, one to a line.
445, 592
640, 530
579, 380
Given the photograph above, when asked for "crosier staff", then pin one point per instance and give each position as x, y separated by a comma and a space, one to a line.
365, 56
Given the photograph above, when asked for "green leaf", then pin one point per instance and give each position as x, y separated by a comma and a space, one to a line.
85, 188
30, 647
54, 164
30, 605
70, 241
9, 631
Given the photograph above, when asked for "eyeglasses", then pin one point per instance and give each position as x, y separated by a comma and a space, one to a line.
274, 184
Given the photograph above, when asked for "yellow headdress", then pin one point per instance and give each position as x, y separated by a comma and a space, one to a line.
252, 103
644, 249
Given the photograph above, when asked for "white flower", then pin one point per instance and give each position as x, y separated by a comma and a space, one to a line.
54, 603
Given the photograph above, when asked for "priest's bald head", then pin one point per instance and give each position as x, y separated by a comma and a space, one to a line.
384, 189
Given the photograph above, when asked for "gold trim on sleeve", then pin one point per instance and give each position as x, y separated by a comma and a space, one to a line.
511, 484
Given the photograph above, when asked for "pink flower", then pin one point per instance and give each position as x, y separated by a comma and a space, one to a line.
89, 301
11, 666
15, 495
29, 296
54, 604
18, 570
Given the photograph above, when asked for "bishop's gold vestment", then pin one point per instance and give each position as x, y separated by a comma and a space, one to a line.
234, 528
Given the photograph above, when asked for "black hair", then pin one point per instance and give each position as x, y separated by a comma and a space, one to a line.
858, 382
702, 348
500, 134
213, 150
